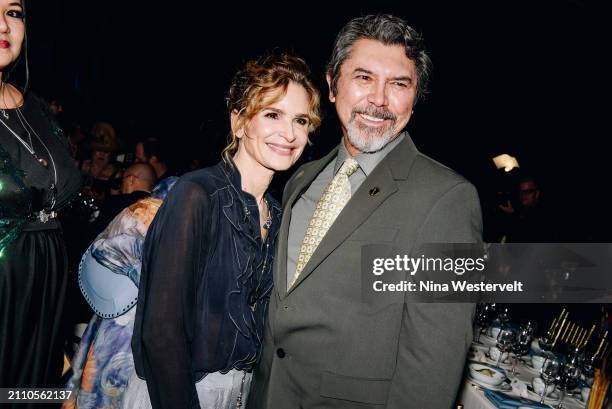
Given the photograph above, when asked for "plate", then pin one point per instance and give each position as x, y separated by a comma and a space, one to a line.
486, 374
502, 387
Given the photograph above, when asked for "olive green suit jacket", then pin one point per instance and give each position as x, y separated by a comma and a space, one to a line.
324, 346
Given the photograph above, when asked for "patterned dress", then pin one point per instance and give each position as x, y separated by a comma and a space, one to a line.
104, 366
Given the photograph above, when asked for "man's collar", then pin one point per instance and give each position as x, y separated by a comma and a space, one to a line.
367, 161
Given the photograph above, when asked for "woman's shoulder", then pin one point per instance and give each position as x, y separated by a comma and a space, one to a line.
209, 179
32, 102
34, 106
198, 186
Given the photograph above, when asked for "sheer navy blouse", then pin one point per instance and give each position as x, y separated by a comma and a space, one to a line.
205, 285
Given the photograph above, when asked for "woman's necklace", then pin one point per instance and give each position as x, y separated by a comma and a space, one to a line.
3, 110
29, 130
267, 223
29, 146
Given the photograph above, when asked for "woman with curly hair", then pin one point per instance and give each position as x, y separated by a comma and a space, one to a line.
207, 266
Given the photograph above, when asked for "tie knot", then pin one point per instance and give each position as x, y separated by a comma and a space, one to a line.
349, 166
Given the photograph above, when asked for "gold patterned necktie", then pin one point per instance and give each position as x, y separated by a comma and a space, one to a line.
335, 196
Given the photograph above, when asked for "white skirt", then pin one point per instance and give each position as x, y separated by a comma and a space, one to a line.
215, 391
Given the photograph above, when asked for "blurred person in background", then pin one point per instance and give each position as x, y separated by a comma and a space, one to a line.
137, 181
155, 153
530, 221
100, 169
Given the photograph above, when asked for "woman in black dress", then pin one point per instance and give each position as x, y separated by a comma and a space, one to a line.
37, 178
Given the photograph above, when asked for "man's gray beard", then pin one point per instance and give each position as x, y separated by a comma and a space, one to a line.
367, 139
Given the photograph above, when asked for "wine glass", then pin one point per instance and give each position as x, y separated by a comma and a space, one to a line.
523, 339
504, 316
589, 364
483, 318
590, 361
569, 376
521, 346
530, 327
505, 340
549, 373
514, 358
546, 341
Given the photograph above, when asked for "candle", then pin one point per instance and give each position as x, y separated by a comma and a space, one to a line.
606, 350
580, 336
557, 320
552, 325
567, 327
569, 334
603, 339
559, 332
574, 338
586, 341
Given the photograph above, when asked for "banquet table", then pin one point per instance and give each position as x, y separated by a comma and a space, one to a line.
472, 394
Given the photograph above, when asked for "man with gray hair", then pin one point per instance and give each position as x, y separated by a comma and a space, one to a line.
325, 346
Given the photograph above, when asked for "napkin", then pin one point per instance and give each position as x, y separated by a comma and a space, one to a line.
520, 388
503, 401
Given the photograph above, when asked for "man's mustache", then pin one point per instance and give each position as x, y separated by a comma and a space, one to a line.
380, 113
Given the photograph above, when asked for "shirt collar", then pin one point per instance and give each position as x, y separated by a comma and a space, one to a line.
235, 179
367, 161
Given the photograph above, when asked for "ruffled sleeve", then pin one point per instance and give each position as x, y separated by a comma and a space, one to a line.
174, 257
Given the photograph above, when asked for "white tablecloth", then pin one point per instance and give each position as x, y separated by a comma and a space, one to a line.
472, 396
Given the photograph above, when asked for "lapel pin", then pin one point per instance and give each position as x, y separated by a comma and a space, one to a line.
374, 191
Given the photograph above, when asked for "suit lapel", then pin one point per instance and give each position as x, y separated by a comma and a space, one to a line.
357, 210
377, 187
300, 183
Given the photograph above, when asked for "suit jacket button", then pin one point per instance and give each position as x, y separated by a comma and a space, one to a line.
280, 352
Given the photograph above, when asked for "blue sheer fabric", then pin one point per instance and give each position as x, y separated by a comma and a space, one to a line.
205, 285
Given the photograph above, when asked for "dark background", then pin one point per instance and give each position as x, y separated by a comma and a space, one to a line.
521, 77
